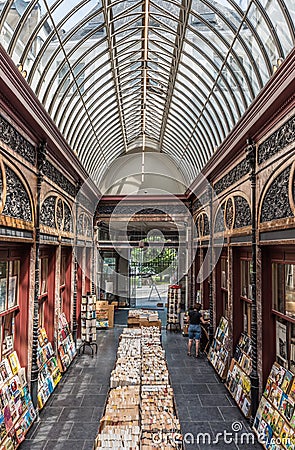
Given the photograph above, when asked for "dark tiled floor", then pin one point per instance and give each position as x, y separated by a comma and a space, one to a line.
71, 417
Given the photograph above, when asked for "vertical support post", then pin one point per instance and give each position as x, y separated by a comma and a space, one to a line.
192, 262
211, 242
93, 276
41, 157
75, 325
251, 157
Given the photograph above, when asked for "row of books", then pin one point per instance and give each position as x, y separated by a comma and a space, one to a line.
49, 373
66, 346
218, 353
275, 417
239, 385
238, 376
17, 412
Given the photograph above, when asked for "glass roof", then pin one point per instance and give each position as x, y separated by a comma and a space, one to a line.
151, 75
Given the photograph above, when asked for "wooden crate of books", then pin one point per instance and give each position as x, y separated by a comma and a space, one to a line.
275, 417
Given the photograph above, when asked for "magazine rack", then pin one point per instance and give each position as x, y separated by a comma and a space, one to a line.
173, 309
88, 323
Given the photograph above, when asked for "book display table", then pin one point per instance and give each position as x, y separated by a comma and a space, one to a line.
140, 411
143, 318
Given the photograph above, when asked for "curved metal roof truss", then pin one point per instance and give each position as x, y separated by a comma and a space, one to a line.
115, 74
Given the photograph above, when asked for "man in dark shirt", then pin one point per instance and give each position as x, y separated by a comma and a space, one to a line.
194, 329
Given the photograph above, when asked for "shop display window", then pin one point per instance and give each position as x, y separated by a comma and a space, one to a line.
283, 304
9, 298
43, 294
283, 288
224, 285
246, 287
9, 280
246, 294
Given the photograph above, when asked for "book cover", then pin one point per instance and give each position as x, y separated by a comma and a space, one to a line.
274, 422
286, 381
267, 412
287, 407
268, 387
7, 418
14, 362
292, 389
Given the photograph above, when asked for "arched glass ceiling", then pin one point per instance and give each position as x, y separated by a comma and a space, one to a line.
168, 76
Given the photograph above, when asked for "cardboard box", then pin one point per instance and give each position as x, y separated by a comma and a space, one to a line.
102, 304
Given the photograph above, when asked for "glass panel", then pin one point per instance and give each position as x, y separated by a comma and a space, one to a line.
290, 289
292, 348
282, 342
224, 273
246, 288
43, 275
8, 333
3, 285
13, 283
247, 318
278, 287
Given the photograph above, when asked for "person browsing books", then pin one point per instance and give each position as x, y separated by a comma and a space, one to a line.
195, 319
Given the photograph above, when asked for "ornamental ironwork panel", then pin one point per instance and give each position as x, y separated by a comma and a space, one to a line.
68, 219
202, 225
276, 204
84, 225
130, 210
229, 213
47, 214
11, 137
50, 171
232, 176
284, 136
59, 214
242, 212
219, 220
17, 203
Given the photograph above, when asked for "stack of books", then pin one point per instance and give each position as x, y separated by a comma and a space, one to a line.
140, 411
